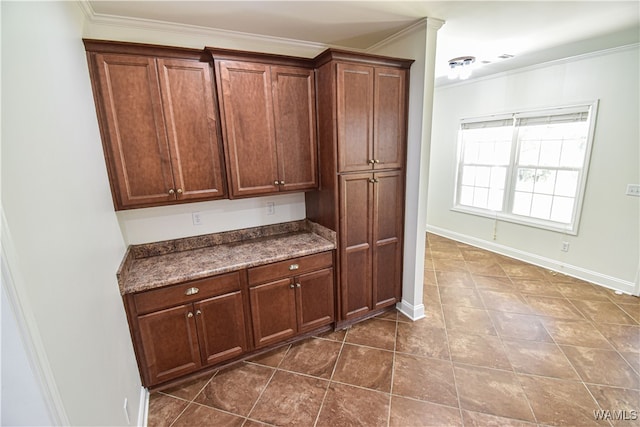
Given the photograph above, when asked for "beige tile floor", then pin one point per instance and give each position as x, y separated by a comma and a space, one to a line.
503, 343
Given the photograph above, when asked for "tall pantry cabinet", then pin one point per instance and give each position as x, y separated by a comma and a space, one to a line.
361, 107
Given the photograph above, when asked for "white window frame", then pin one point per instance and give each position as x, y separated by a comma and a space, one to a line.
509, 191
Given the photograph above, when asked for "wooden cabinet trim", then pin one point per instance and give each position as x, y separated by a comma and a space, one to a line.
289, 268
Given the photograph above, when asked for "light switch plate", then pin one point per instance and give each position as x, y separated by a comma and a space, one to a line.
633, 190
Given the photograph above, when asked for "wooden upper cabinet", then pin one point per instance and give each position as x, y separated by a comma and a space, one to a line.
159, 124
371, 122
192, 128
269, 128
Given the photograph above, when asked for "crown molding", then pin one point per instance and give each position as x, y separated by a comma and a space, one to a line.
429, 23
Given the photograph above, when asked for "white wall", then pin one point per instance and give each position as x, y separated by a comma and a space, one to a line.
606, 249
66, 243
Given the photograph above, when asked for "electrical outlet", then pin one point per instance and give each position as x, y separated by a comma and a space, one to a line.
271, 208
125, 407
565, 247
633, 190
197, 218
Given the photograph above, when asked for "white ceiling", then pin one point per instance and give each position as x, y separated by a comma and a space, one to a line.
533, 31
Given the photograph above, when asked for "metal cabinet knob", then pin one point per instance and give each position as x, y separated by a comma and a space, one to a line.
281, 182
276, 182
191, 291
179, 191
171, 192
371, 161
376, 161
297, 285
198, 312
190, 315
294, 267
291, 285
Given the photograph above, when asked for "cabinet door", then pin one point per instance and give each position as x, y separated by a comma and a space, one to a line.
295, 126
355, 117
356, 192
170, 343
273, 312
314, 298
221, 327
133, 129
249, 136
388, 222
192, 128
389, 118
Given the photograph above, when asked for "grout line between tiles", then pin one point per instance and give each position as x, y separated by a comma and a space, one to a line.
326, 391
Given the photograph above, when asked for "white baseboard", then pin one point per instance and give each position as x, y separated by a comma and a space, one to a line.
143, 410
413, 312
548, 263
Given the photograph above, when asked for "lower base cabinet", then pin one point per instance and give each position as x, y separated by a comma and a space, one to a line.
180, 329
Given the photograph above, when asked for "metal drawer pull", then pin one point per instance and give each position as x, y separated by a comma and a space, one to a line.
294, 267
291, 285
297, 285
198, 312
190, 315
191, 291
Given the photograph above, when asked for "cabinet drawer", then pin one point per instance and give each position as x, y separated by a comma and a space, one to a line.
290, 267
169, 296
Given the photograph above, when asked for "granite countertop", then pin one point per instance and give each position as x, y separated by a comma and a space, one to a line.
154, 265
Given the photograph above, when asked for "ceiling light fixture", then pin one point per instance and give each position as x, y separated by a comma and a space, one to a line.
460, 68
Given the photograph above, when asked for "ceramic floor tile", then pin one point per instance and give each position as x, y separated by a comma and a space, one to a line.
473, 254
272, 358
389, 315
236, 389
449, 265
345, 405
583, 291
338, 335
424, 379
432, 315
421, 339
625, 338
290, 399
431, 293
163, 409
315, 357
204, 415
472, 320
478, 350
190, 389
365, 367
495, 283
536, 287
633, 359
621, 403
560, 402
492, 391
409, 412
429, 278
519, 326
454, 278
477, 419
605, 367
633, 310
460, 296
373, 333
522, 270
604, 312
538, 358
559, 308
580, 333
481, 268
509, 302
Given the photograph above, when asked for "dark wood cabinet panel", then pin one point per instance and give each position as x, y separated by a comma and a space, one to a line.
273, 312
158, 120
135, 141
221, 327
389, 118
246, 105
192, 128
314, 299
269, 126
387, 238
355, 117
170, 343
295, 126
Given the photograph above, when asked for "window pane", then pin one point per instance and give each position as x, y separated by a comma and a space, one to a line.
541, 206
503, 152
573, 152
522, 203
470, 151
483, 176
525, 179
495, 199
480, 197
566, 183
468, 175
498, 177
466, 196
545, 181
562, 210
529, 153
550, 153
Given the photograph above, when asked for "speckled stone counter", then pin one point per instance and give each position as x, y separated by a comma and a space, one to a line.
169, 262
